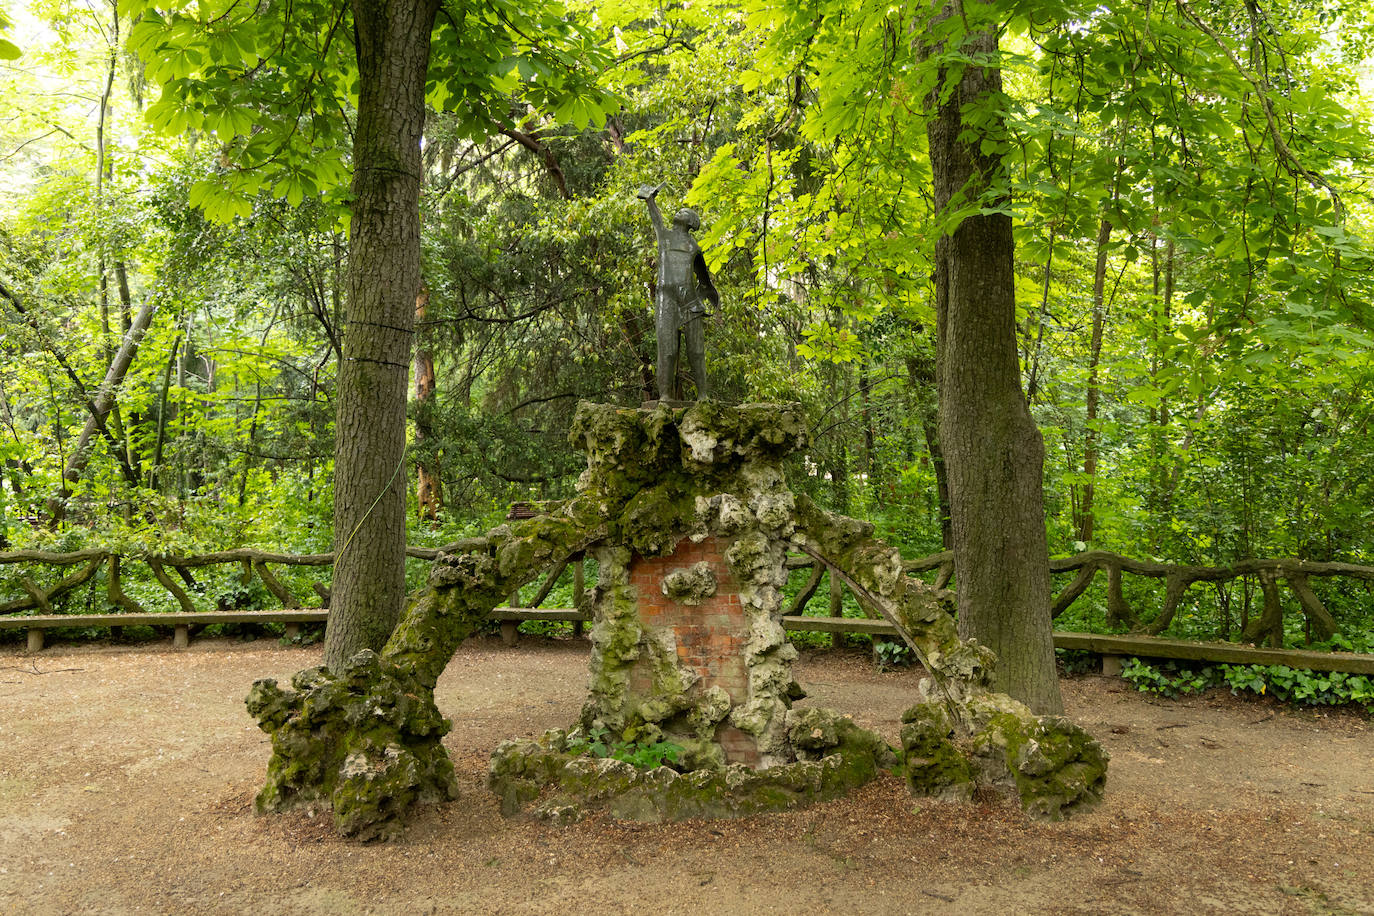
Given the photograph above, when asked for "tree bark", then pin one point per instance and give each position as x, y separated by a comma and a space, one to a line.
154, 475
870, 434
808, 591
1320, 621
1269, 625
1119, 611
384, 278
992, 448
104, 402
922, 374
1085, 504
1077, 587
428, 492
26, 313
535, 144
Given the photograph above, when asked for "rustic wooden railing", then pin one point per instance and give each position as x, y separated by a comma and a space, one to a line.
89, 562
1266, 627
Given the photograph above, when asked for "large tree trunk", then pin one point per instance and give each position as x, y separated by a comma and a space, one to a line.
384, 278
993, 451
921, 375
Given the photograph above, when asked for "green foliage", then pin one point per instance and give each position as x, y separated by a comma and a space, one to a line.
1073, 662
644, 755
8, 49
276, 85
1299, 686
1234, 377
1170, 679
890, 654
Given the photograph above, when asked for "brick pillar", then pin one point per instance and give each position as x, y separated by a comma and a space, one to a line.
709, 634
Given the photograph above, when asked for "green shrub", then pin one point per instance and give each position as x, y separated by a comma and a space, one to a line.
1299, 686
1074, 662
891, 653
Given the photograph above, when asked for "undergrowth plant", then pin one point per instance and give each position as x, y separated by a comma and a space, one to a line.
645, 755
889, 654
1300, 686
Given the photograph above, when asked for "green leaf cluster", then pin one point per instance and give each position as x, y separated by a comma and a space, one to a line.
275, 84
1299, 686
644, 755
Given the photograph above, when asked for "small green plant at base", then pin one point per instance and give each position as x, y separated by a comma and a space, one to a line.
598, 742
549, 629
1341, 642
1074, 662
891, 654
1169, 679
308, 636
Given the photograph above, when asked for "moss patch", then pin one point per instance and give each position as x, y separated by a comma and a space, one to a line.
365, 741
1051, 765
933, 764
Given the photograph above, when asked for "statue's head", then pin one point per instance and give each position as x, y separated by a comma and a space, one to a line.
687, 219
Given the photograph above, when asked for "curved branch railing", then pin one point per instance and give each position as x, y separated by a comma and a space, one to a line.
254, 562
1268, 626
1177, 578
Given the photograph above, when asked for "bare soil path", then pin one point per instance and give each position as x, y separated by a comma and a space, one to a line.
127, 774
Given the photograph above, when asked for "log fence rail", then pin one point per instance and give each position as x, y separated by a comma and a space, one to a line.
1266, 627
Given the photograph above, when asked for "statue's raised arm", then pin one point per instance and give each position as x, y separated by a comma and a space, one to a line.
648, 193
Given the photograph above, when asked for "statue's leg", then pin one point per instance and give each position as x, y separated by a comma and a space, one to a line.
695, 332
666, 328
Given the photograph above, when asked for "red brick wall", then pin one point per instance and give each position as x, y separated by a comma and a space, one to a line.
710, 636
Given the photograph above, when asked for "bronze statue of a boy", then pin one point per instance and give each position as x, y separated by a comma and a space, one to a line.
683, 283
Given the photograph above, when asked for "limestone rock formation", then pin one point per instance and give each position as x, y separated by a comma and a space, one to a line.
689, 516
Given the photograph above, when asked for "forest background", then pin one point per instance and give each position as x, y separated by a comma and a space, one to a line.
1191, 191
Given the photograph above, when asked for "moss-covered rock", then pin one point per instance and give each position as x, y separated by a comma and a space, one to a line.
554, 784
961, 735
691, 585
365, 741
933, 764
1052, 766
709, 711
724, 481
813, 729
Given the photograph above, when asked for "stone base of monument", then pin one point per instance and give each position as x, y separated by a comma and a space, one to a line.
557, 778
670, 403
689, 709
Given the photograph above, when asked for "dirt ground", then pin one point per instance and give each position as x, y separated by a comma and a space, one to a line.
127, 775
